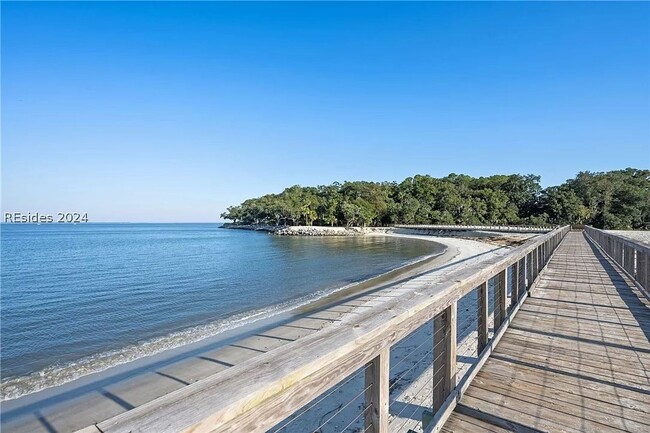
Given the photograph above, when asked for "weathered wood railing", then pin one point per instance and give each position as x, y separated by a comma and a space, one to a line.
257, 394
494, 228
632, 256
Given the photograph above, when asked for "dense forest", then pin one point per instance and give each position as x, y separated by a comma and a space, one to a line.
613, 200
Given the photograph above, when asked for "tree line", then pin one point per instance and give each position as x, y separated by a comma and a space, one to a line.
617, 199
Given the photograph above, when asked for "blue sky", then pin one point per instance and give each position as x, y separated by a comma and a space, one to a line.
173, 111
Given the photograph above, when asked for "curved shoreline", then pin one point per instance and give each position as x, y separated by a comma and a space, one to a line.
77, 385
151, 376
98, 363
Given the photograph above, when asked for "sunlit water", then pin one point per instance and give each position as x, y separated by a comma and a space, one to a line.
77, 299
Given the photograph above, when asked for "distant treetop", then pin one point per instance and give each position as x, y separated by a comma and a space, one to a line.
617, 199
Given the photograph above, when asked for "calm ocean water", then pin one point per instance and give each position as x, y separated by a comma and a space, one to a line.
77, 299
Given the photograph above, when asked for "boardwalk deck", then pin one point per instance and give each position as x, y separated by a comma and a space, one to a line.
576, 357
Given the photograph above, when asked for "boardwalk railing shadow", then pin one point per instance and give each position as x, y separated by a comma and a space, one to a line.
633, 298
576, 356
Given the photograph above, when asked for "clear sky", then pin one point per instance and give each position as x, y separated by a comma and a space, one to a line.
173, 111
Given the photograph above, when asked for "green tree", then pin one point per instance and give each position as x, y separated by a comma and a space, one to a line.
616, 199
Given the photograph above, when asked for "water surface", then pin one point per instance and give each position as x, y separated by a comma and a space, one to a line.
80, 298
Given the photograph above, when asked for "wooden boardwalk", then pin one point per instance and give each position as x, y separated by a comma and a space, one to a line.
576, 357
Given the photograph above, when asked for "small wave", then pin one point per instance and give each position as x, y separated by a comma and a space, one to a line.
59, 374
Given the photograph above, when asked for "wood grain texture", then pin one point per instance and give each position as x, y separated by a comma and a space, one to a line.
450, 348
377, 376
514, 296
501, 297
575, 357
440, 354
483, 316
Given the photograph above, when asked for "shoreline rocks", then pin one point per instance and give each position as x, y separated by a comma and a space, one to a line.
494, 238
310, 230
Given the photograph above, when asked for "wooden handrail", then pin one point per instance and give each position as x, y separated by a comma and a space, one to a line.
633, 257
258, 393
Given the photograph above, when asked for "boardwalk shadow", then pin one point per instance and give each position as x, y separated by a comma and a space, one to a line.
628, 293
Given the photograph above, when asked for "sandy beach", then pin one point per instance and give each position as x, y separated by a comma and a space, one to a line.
411, 371
100, 396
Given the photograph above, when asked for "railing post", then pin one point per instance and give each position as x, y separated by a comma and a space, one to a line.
514, 296
444, 355
483, 315
643, 268
500, 298
521, 278
529, 270
619, 252
377, 379
530, 258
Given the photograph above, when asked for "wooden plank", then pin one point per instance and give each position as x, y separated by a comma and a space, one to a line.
521, 279
462, 423
605, 334
613, 353
603, 412
618, 395
450, 349
642, 269
444, 365
483, 316
514, 295
531, 386
556, 364
626, 367
624, 347
376, 396
500, 298
492, 419
538, 413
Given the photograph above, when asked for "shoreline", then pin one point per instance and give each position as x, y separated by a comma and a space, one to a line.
141, 380
220, 330
308, 230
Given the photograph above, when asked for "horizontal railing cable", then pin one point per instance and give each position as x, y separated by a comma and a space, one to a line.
343, 407
311, 406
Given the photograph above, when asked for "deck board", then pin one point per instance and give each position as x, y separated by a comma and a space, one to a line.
576, 357
458, 422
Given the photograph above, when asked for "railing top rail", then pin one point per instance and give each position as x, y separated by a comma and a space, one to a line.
495, 227
624, 240
289, 376
478, 225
